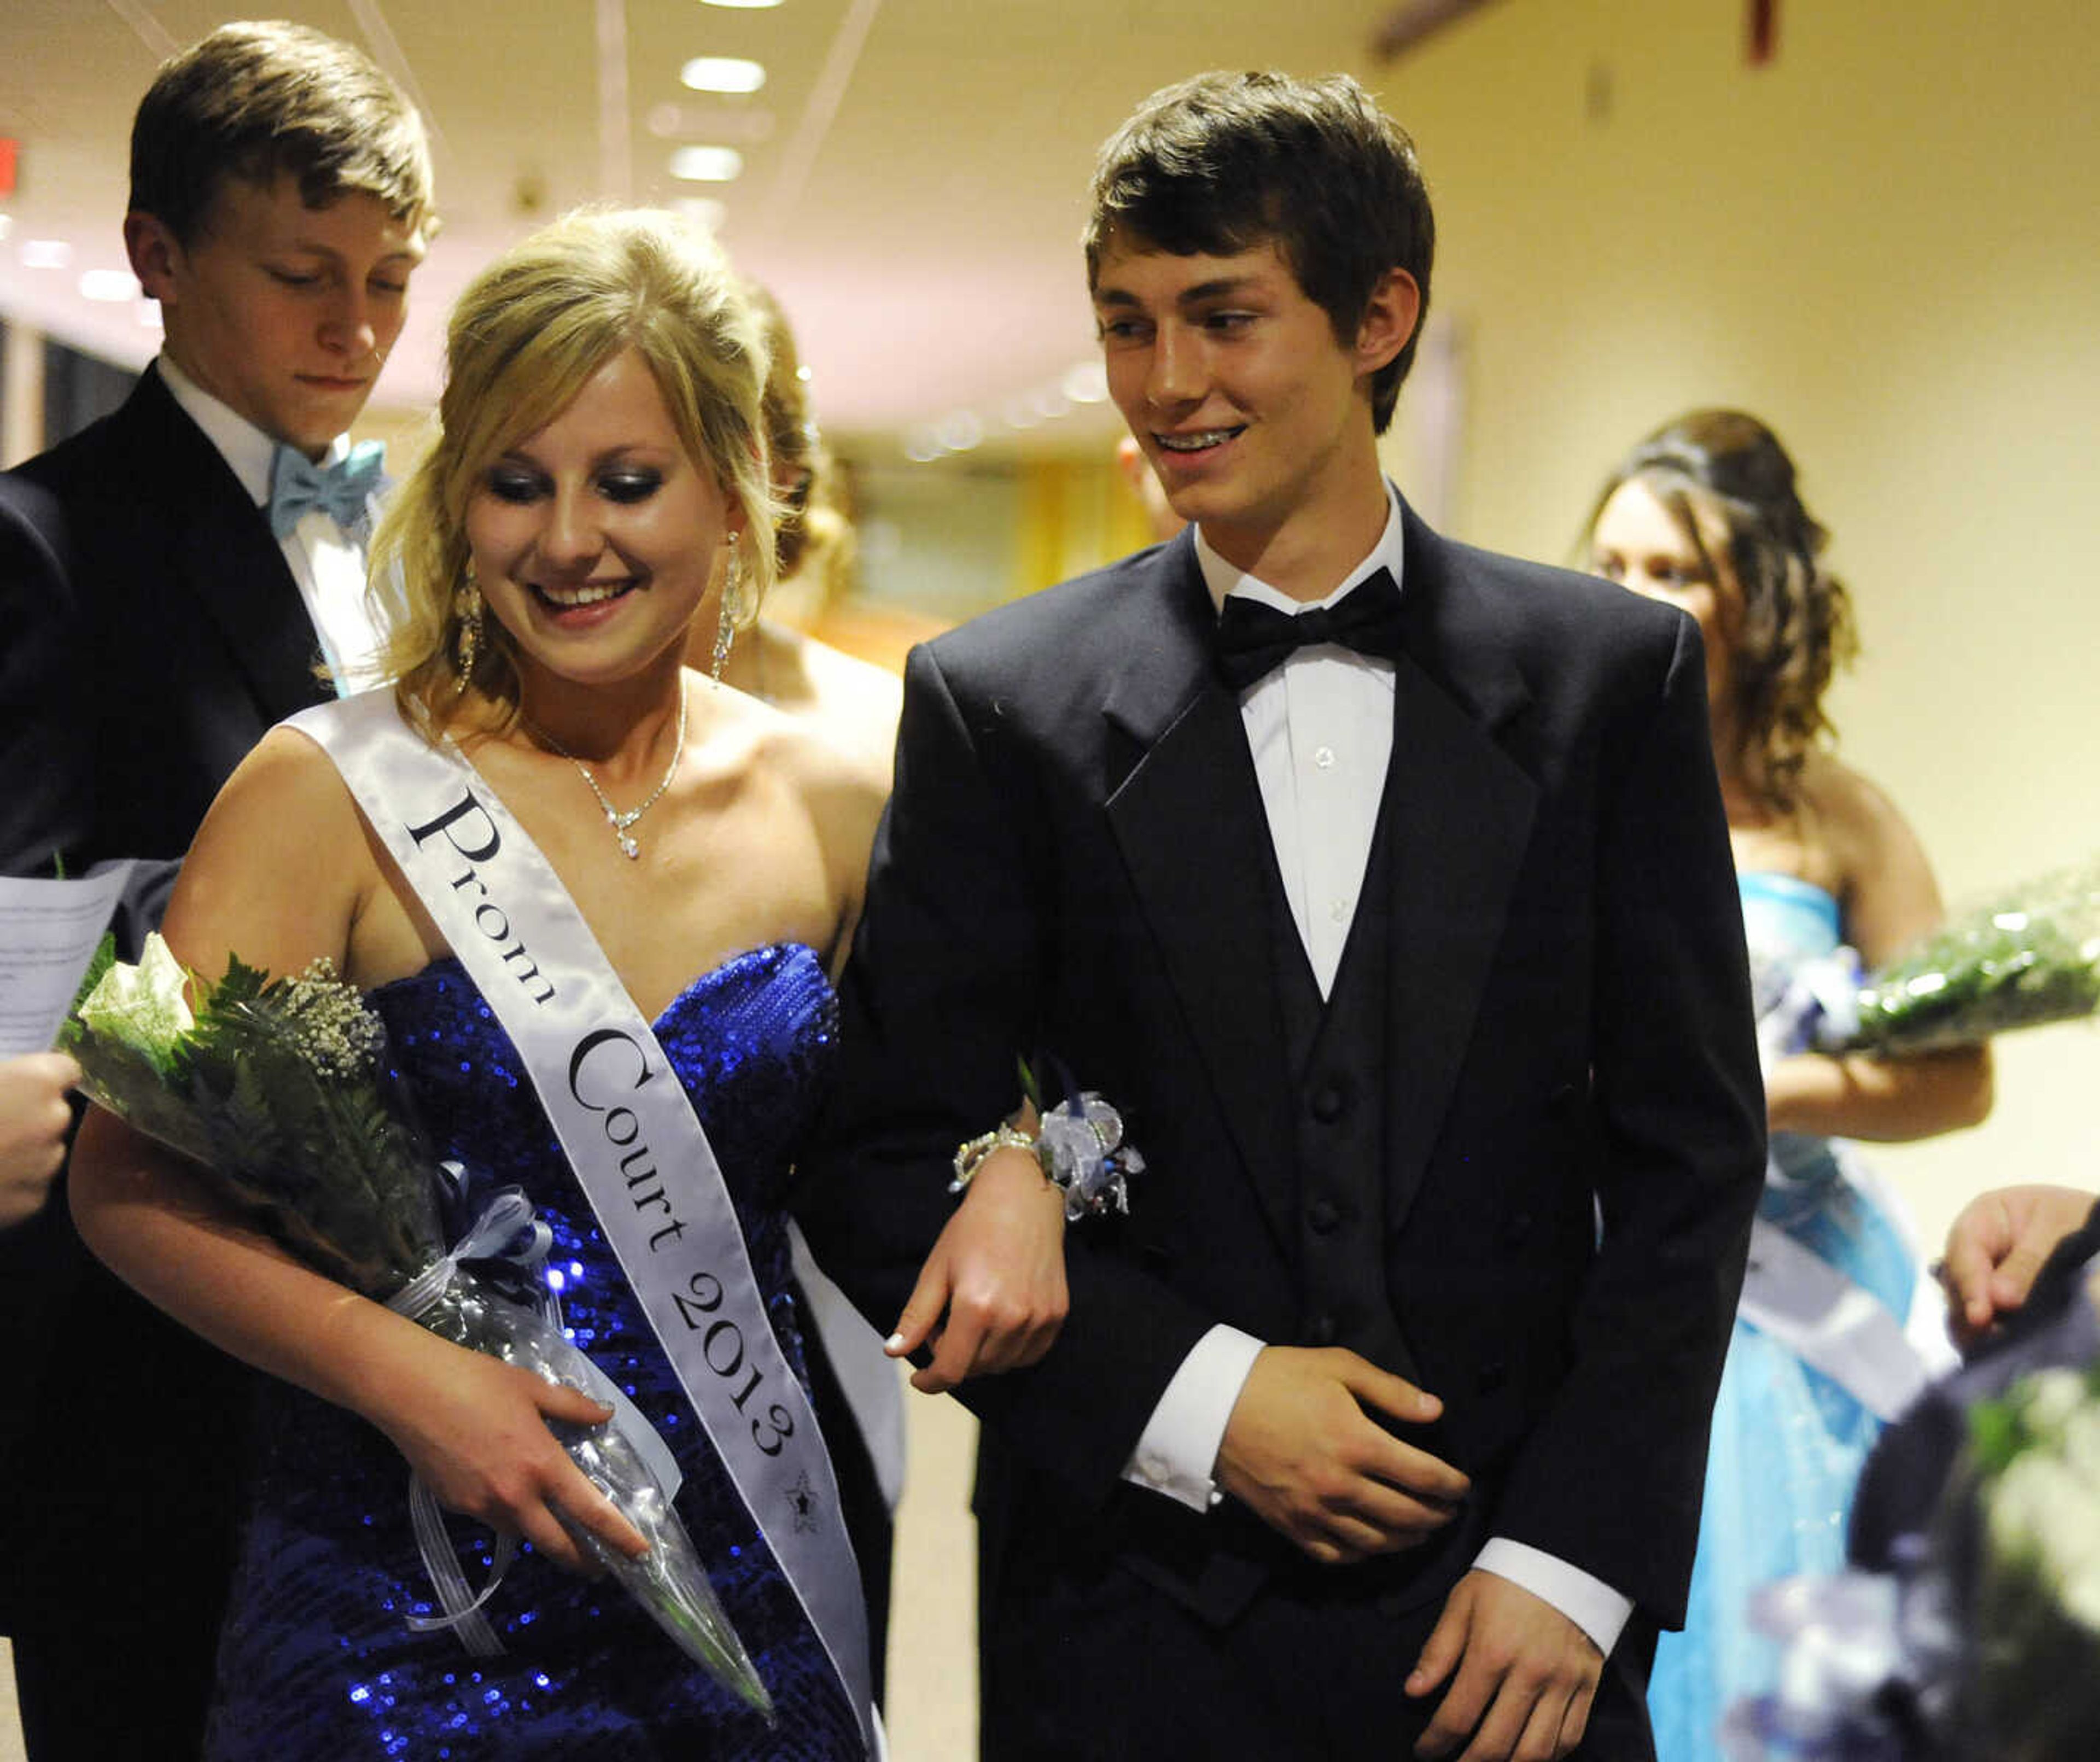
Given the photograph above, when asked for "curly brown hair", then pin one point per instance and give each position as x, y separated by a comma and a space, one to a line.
1730, 486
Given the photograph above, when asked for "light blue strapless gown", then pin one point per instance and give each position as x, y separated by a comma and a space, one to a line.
1788, 1443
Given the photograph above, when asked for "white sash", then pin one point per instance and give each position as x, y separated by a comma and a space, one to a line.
1821, 1315
629, 1132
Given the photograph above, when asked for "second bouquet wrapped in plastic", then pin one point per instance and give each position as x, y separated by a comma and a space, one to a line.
282, 1090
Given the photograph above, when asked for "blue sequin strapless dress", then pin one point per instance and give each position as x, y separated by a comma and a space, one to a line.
317, 1662
1787, 1441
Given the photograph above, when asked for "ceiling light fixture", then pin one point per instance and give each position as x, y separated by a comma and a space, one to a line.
743, 6
707, 164
109, 286
45, 254
721, 74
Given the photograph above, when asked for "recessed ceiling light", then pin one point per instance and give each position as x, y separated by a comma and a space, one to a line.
721, 74
743, 6
6, 225
45, 254
707, 164
959, 431
111, 286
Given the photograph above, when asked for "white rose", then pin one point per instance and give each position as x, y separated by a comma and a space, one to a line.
143, 1006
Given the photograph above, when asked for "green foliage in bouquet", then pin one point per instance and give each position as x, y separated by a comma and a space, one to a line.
279, 1086
2027, 959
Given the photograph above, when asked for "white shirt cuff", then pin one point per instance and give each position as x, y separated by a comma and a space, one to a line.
1590, 1603
1178, 1449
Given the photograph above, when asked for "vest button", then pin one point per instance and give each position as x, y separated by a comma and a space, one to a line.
1322, 1215
1320, 1331
1328, 1102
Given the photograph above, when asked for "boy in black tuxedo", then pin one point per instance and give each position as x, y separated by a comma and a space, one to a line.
210, 539
1384, 884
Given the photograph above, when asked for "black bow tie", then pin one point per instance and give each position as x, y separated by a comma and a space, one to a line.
1253, 638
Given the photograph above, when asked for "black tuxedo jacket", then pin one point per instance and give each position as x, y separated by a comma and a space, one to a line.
172, 636
1073, 862
188, 635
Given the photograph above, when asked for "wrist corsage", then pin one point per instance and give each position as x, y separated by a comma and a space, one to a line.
1079, 1143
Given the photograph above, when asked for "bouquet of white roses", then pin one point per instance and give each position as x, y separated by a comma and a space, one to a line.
281, 1090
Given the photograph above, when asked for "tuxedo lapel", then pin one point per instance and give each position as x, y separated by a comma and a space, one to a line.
1459, 814
223, 556
1188, 820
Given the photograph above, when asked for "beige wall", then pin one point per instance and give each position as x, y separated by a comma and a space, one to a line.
1887, 243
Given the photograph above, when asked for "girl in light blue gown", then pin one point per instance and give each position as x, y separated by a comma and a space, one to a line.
1705, 514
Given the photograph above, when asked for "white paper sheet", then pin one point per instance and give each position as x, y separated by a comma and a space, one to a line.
48, 930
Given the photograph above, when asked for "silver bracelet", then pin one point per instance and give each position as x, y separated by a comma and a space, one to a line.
972, 1153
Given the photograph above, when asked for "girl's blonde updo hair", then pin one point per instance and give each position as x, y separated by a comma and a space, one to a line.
526, 337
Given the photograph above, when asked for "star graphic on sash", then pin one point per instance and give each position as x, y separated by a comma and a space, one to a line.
803, 1497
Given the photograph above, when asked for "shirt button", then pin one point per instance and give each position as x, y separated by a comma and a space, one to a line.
1339, 911
1324, 758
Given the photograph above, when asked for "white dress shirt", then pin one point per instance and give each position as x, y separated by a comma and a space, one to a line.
327, 563
1320, 729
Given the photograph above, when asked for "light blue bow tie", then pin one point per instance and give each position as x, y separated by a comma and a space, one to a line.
341, 490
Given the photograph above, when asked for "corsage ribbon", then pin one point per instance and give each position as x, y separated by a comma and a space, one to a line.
505, 1229
1866, 1665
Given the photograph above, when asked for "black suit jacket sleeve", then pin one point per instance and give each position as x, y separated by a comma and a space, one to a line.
1611, 1477
942, 994
46, 745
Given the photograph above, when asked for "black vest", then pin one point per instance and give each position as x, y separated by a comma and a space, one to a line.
1335, 1051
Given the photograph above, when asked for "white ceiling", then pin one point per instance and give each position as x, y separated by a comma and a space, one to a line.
914, 169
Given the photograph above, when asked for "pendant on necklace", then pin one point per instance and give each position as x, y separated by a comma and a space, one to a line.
627, 847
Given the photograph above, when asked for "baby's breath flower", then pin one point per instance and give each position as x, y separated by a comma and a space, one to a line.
330, 1025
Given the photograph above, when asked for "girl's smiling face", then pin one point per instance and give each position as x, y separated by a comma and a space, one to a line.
596, 539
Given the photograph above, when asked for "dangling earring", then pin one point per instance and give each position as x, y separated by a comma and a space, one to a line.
731, 604
468, 604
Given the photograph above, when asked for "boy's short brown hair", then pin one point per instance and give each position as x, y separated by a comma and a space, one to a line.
1226, 162
253, 100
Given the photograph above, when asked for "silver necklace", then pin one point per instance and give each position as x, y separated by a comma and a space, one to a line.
619, 822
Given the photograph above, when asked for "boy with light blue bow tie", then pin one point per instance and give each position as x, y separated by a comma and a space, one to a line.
201, 559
